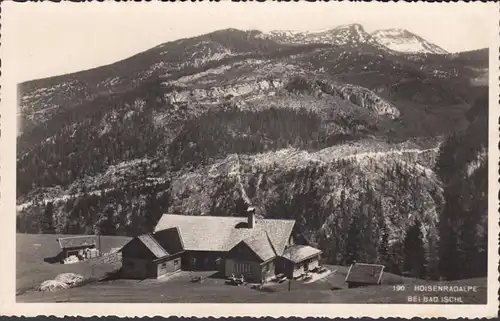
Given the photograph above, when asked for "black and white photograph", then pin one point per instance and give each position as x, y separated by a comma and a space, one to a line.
332, 153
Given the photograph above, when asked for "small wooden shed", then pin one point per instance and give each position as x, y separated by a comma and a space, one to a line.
297, 260
143, 257
77, 245
363, 274
252, 258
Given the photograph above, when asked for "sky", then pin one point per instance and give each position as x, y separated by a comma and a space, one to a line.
48, 39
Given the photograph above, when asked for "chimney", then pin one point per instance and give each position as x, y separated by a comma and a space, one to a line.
251, 216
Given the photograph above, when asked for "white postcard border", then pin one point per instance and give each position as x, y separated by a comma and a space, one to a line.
9, 307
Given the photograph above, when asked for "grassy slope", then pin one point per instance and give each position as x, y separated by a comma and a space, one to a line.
32, 269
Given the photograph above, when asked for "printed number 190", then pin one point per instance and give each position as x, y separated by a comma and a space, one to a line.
399, 287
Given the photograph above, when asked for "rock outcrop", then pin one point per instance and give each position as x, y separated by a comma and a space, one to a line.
361, 97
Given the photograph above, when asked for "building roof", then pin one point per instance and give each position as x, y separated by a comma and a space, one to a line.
299, 253
365, 273
261, 245
77, 241
149, 241
221, 233
170, 239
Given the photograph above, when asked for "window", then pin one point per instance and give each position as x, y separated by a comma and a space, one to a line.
177, 262
243, 268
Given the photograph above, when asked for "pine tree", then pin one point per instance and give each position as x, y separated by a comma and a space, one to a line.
414, 260
383, 249
351, 249
433, 256
47, 220
153, 212
355, 239
449, 259
107, 226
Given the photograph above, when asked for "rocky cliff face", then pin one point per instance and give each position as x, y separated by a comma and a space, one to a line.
216, 94
362, 97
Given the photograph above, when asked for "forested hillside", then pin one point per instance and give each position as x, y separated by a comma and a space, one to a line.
463, 169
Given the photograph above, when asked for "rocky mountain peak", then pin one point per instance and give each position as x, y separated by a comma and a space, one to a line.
401, 40
353, 27
350, 34
354, 33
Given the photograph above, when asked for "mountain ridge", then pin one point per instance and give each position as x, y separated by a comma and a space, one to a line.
249, 31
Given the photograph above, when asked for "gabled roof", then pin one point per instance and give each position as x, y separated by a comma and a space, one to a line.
365, 273
153, 246
221, 233
170, 239
77, 241
299, 253
261, 245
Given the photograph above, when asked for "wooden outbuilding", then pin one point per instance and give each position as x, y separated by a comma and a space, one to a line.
78, 246
297, 260
252, 258
363, 274
143, 257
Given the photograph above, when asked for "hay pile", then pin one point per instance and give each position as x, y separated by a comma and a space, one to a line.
113, 258
62, 281
51, 286
70, 279
72, 259
109, 258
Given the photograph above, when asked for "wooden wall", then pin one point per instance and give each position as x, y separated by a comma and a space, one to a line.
203, 261
250, 270
135, 268
168, 266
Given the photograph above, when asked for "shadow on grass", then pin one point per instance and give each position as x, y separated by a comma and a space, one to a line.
59, 258
217, 275
112, 276
265, 289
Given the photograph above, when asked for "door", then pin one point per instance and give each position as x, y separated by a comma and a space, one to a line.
72, 253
